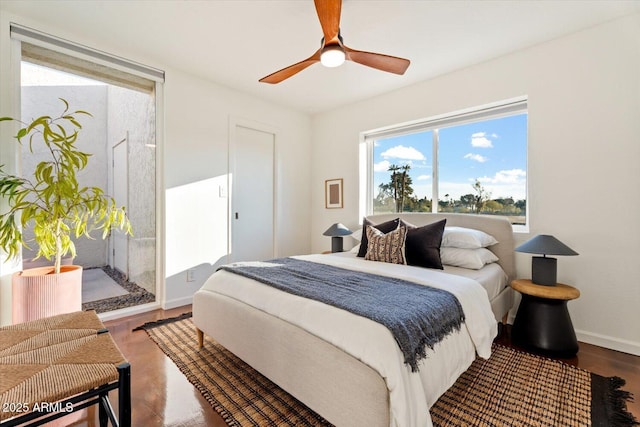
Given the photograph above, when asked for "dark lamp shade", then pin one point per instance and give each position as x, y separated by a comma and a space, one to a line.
546, 245
337, 229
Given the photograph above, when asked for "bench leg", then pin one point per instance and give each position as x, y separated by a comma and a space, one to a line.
103, 416
124, 395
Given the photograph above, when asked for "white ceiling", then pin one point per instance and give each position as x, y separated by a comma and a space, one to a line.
237, 42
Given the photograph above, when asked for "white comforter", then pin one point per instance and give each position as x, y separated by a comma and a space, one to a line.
411, 394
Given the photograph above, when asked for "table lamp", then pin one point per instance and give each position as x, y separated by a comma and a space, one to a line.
544, 269
336, 231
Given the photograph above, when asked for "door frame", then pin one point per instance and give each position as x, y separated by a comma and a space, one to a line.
10, 105
235, 122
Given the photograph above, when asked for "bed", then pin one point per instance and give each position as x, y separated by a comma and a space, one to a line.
351, 379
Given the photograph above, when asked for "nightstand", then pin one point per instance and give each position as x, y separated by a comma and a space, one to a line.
542, 323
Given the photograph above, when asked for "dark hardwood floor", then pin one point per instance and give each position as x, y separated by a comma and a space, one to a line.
162, 396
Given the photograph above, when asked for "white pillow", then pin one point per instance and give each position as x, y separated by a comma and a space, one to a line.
473, 259
466, 238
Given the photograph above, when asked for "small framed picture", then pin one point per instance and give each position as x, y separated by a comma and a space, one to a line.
333, 193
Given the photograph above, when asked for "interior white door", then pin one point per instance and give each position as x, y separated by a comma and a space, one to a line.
252, 221
120, 240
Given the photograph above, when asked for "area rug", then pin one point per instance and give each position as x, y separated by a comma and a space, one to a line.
512, 388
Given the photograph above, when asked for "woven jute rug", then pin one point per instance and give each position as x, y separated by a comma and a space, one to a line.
512, 388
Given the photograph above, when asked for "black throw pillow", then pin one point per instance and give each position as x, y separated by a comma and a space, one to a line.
422, 247
384, 227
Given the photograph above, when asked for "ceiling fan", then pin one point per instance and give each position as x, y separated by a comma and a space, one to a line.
333, 52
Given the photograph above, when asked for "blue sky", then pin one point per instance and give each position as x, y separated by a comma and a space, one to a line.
492, 151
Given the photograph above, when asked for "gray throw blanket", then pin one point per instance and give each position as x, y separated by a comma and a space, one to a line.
418, 316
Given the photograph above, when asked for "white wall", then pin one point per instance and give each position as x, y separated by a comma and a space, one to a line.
196, 130
583, 174
197, 116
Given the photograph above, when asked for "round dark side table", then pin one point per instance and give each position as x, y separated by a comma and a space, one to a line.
542, 323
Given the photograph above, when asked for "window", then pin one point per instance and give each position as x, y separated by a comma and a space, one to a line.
473, 161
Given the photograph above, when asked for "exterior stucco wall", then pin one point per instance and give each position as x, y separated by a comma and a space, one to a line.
132, 115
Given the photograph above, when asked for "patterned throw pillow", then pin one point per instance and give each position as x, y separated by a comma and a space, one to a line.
385, 227
386, 247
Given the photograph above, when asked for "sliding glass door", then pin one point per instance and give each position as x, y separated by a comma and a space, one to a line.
121, 270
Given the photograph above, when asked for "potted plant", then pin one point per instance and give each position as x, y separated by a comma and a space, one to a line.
57, 207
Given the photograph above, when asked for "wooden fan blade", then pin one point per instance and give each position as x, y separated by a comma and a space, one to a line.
289, 71
391, 64
329, 16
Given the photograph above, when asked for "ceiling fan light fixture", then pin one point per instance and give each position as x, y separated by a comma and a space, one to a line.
332, 56
333, 52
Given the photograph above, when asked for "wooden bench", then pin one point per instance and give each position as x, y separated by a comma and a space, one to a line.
58, 365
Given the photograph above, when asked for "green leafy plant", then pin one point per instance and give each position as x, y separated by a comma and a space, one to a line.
53, 201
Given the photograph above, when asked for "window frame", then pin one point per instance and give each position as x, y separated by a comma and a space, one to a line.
504, 108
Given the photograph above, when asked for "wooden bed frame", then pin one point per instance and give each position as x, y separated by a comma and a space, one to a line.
333, 383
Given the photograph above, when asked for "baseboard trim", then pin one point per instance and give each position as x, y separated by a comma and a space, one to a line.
605, 341
128, 311
177, 302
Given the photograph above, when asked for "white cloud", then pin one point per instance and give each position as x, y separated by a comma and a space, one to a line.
511, 176
422, 190
402, 152
480, 140
454, 189
383, 166
504, 183
476, 157
423, 177
418, 165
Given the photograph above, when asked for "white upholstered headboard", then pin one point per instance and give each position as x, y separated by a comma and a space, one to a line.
498, 227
